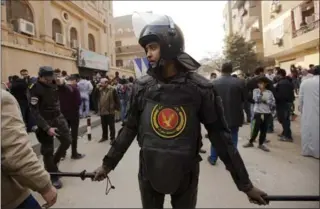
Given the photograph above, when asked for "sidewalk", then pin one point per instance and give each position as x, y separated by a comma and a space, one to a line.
95, 121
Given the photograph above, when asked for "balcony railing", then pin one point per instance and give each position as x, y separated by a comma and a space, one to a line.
306, 28
129, 49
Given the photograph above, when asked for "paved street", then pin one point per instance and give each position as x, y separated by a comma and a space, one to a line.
281, 172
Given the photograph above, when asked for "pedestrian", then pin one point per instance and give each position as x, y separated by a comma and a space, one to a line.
309, 107
232, 91
21, 170
284, 95
70, 102
122, 91
85, 87
305, 75
168, 105
108, 103
45, 107
264, 102
213, 76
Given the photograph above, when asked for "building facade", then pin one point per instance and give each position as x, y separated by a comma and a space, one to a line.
244, 18
126, 44
291, 31
50, 33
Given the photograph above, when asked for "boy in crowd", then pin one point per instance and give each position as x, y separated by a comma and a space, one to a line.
264, 102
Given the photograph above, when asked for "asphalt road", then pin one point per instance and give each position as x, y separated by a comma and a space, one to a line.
281, 172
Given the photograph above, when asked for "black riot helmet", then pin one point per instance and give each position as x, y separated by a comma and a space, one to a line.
45, 71
150, 27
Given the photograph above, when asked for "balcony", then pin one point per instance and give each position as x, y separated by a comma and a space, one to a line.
307, 35
132, 49
236, 4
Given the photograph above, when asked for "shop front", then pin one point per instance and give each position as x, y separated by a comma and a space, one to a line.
89, 63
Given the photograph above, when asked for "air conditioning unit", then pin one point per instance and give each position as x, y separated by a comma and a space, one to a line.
74, 44
59, 39
277, 41
26, 27
275, 8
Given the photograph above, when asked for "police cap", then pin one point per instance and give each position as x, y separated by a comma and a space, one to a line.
45, 71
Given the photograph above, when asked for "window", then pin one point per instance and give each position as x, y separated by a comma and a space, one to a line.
16, 10
118, 43
56, 28
73, 34
119, 63
91, 43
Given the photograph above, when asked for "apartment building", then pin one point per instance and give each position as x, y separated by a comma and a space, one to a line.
244, 17
75, 36
126, 44
291, 32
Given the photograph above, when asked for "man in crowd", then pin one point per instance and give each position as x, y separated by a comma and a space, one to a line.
270, 74
122, 91
309, 107
20, 166
108, 104
284, 95
85, 88
305, 75
70, 102
19, 88
45, 106
213, 76
232, 91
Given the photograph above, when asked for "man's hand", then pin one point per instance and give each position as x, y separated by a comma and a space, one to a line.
52, 132
256, 196
50, 197
101, 173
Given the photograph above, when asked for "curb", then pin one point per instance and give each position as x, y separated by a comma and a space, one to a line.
81, 132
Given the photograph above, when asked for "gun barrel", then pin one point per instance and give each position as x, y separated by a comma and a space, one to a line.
293, 198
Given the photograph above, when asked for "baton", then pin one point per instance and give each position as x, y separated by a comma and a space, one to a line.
292, 198
83, 175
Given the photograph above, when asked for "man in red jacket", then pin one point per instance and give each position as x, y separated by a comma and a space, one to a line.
70, 101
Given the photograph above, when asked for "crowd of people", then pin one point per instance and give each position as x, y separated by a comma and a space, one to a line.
266, 95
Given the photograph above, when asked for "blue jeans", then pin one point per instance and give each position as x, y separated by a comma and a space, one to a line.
123, 109
29, 203
86, 103
234, 135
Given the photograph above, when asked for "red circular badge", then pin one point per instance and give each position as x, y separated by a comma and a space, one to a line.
168, 119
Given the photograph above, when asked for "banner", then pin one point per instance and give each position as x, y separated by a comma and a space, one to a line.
141, 66
89, 59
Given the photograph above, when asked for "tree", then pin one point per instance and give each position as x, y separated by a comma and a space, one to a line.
240, 53
212, 63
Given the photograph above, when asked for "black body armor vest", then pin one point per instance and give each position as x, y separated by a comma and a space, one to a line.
169, 133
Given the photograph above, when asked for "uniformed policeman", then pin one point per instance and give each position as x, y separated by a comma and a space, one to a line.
45, 107
166, 110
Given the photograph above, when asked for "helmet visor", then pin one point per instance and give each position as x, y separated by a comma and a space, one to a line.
141, 20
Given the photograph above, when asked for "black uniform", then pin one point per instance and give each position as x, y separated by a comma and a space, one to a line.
165, 115
45, 107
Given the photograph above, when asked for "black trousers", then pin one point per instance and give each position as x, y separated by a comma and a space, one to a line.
73, 124
260, 124
107, 121
283, 114
50, 158
184, 198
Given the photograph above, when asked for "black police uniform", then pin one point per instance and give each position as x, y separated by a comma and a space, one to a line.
45, 107
165, 115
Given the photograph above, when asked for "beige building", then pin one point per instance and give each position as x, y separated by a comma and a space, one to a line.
126, 44
291, 31
244, 18
56, 33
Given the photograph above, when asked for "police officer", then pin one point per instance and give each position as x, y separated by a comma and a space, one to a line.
166, 110
45, 107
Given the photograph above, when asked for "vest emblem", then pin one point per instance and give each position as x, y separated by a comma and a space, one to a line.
168, 122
